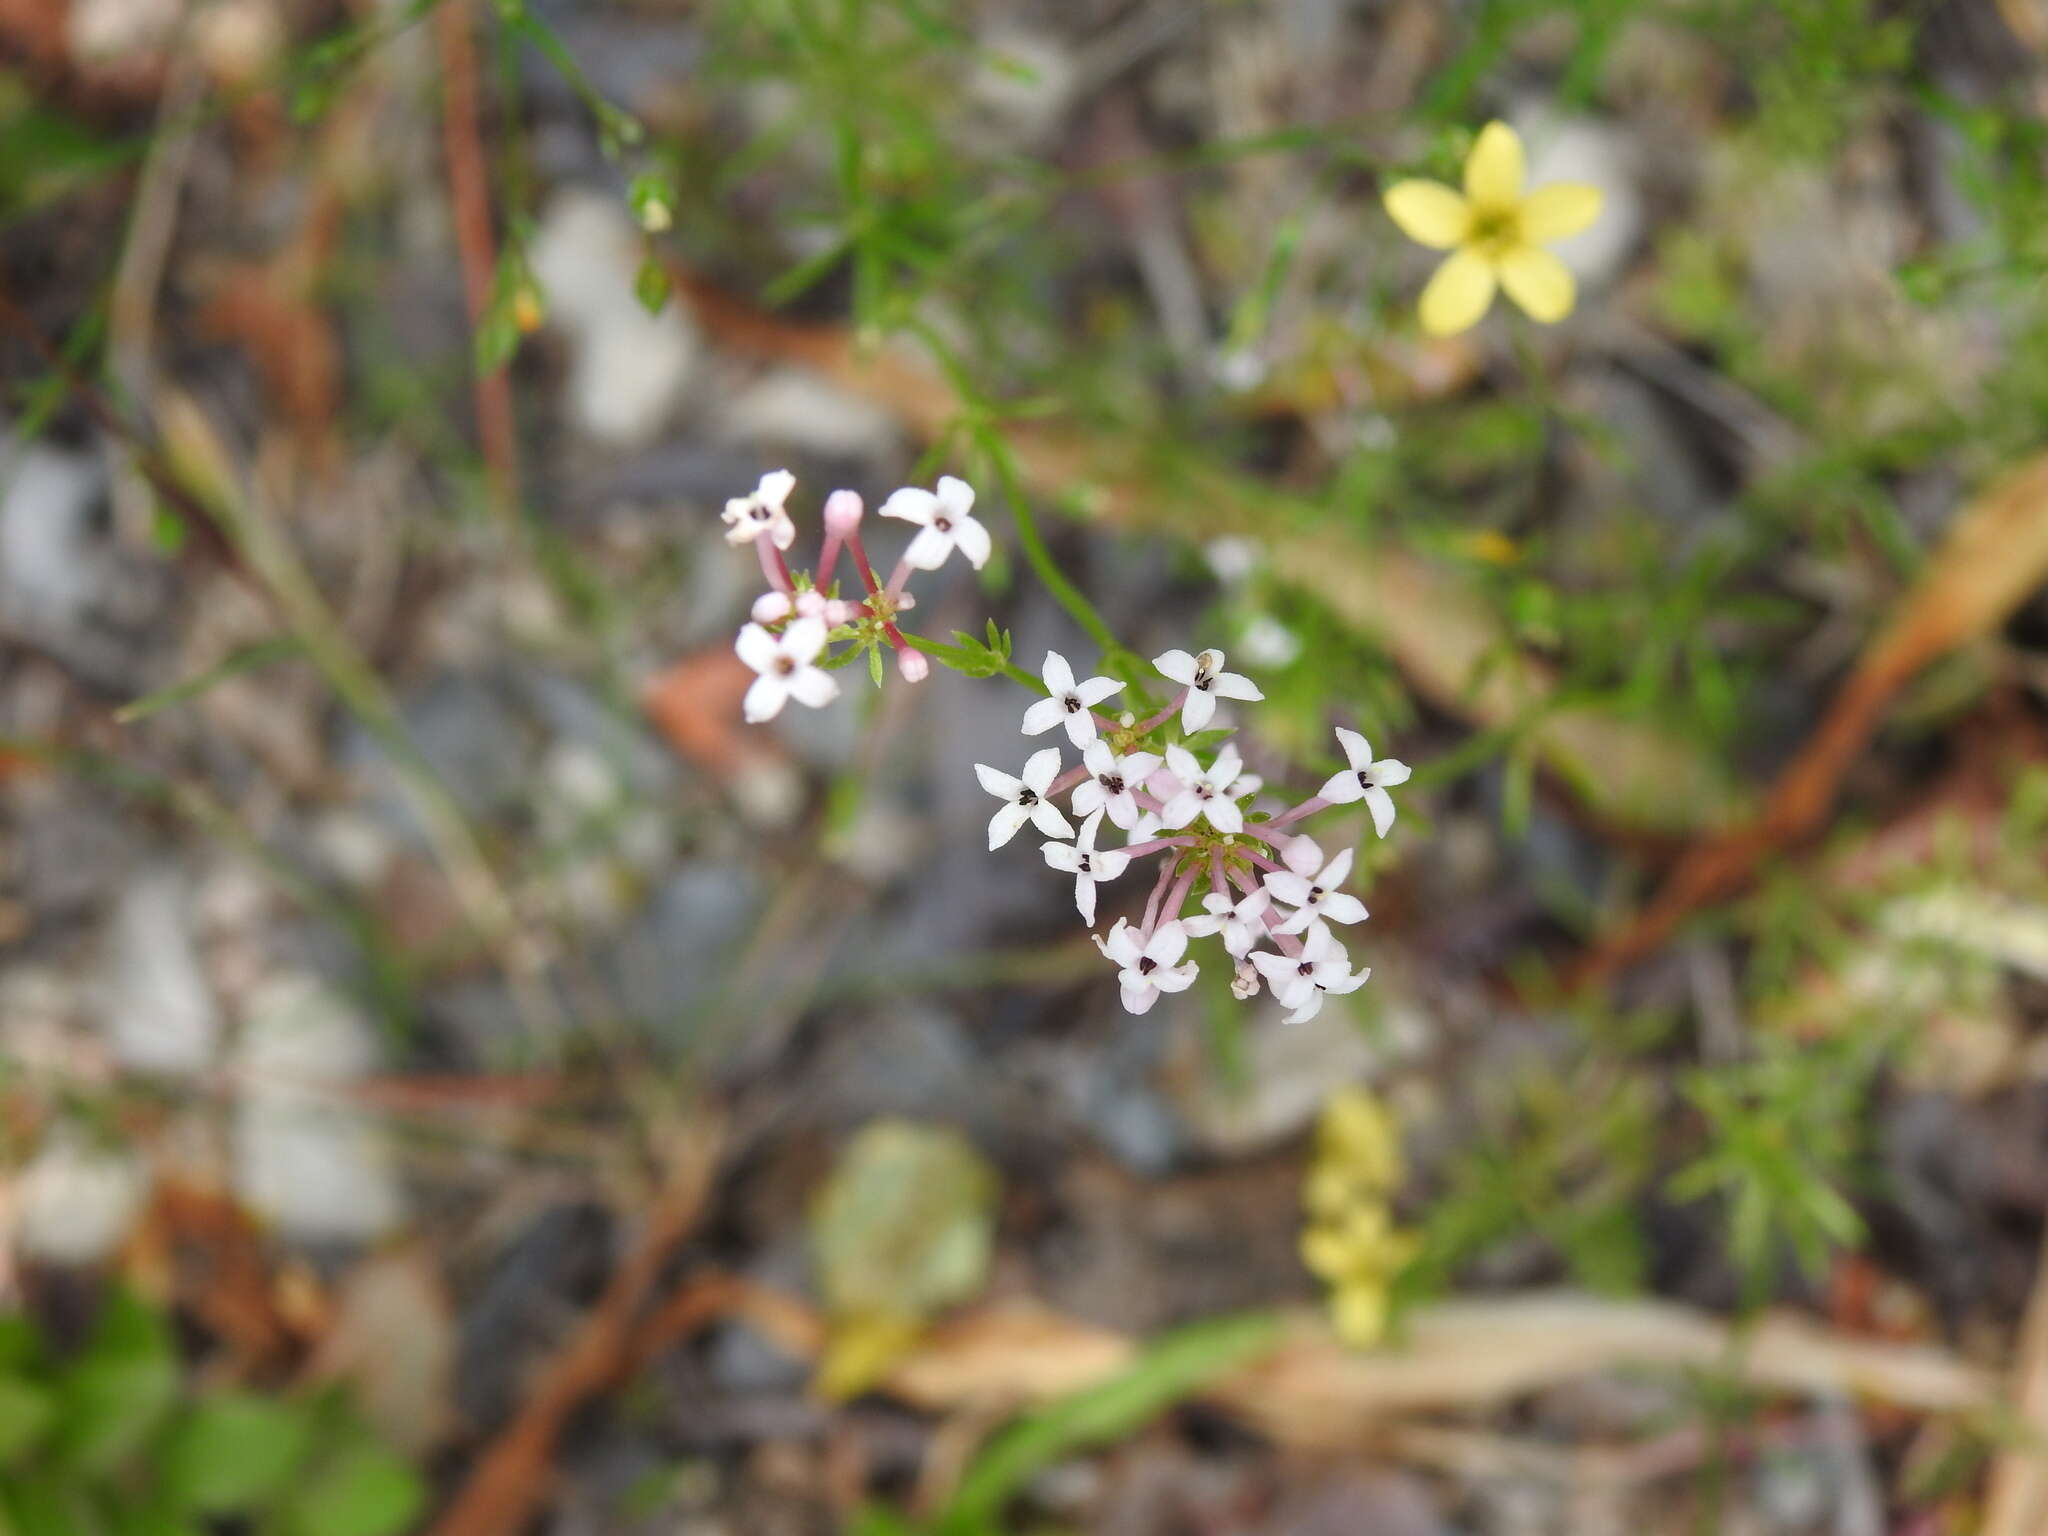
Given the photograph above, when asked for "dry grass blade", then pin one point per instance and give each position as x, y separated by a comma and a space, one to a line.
1995, 555
2017, 1504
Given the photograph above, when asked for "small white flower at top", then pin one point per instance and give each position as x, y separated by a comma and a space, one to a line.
1311, 887
1069, 702
746, 518
945, 518
1242, 923
1087, 864
1113, 782
784, 663
1206, 682
1365, 780
1023, 798
1147, 967
1202, 793
1300, 982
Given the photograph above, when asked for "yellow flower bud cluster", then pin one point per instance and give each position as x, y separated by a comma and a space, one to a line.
1350, 1240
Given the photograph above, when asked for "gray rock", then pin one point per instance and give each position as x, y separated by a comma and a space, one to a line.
156, 1009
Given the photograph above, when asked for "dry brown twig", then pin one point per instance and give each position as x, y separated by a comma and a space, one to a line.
469, 195
1995, 554
511, 1477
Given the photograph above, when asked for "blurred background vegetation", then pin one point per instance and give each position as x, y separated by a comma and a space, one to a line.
454, 1077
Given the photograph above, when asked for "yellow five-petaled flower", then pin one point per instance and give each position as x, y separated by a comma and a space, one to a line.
1496, 233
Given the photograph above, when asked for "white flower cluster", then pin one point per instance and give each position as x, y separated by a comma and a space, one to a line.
797, 618
1270, 895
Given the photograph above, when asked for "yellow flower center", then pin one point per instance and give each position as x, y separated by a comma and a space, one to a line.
1495, 231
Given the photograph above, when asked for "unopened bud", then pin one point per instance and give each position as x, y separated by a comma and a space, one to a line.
913, 665
1246, 982
772, 607
842, 513
811, 603
839, 611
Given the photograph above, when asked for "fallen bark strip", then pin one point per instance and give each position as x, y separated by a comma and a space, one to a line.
2017, 1504
511, 1477
1442, 633
1313, 1392
1995, 554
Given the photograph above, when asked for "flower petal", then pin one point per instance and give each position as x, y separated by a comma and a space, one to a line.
1109, 863
1224, 815
1043, 716
1342, 907
756, 647
765, 699
928, 551
1062, 856
1140, 766
1059, 677
1177, 978
1047, 818
1139, 998
1458, 295
1180, 810
1080, 727
955, 495
781, 532
1428, 212
1559, 211
1042, 767
1004, 824
973, 540
1288, 887
1493, 171
1341, 788
1381, 804
1090, 797
1388, 772
775, 487
1084, 899
1176, 666
813, 687
1311, 1005
1539, 282
1357, 750
1183, 764
1094, 690
1123, 808
911, 504
1168, 943
1336, 872
1198, 711
1235, 685
1002, 785
804, 638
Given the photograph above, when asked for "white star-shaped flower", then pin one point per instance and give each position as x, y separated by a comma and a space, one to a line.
1365, 780
945, 517
1206, 682
1242, 924
1112, 783
746, 518
1087, 864
1148, 967
785, 665
1311, 887
1203, 793
1024, 798
1299, 982
1070, 702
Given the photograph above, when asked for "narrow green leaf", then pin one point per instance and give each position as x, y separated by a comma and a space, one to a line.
1173, 1368
247, 659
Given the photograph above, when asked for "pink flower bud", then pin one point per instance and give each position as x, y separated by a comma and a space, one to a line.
839, 611
811, 603
771, 608
842, 513
913, 665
